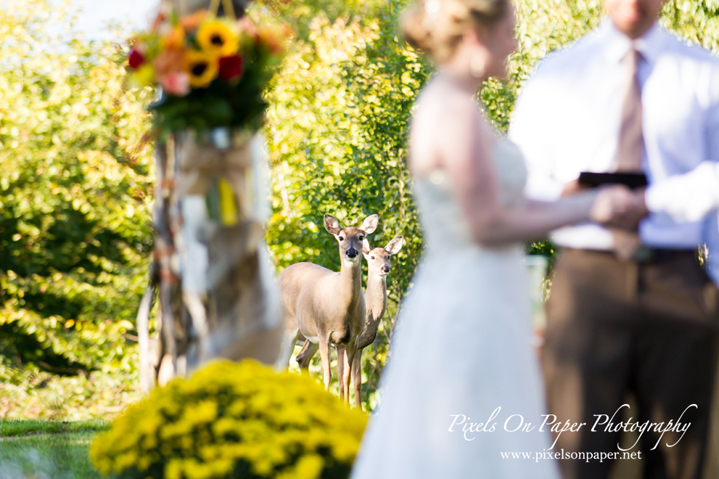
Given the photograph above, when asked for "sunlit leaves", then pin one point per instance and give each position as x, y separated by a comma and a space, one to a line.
340, 109
75, 194
337, 128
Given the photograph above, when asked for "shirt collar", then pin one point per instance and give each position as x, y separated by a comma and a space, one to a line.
617, 43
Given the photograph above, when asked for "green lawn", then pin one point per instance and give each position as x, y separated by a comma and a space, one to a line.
47, 449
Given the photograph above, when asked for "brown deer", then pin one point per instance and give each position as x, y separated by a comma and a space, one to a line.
378, 267
327, 307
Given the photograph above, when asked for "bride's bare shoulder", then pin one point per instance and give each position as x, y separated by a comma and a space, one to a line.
441, 116
438, 98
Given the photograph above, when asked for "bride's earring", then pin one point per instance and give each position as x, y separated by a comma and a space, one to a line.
477, 67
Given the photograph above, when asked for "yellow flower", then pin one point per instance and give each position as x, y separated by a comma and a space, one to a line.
173, 469
143, 76
202, 412
216, 38
201, 67
297, 430
309, 466
228, 204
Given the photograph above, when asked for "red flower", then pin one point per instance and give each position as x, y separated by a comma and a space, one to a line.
231, 67
136, 59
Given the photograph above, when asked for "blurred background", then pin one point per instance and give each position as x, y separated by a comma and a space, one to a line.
76, 171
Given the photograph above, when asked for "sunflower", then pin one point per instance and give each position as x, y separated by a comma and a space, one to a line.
217, 38
201, 68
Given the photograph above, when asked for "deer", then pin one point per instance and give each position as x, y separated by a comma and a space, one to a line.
378, 267
327, 307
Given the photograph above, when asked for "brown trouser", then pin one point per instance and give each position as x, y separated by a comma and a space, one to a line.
647, 329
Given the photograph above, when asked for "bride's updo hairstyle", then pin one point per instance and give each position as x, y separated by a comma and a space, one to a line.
436, 26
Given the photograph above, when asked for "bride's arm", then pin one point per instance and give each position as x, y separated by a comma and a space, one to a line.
464, 143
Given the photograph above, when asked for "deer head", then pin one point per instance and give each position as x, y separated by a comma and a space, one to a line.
350, 239
378, 261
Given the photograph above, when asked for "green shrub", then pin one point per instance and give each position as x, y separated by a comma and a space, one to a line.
338, 117
233, 420
75, 196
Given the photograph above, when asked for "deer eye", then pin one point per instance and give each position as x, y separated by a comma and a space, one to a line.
341, 238
360, 237
372, 257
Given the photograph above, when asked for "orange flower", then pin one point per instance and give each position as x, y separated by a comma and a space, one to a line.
174, 39
287, 31
192, 21
169, 61
268, 37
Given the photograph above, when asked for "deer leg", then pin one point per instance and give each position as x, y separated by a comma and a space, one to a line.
345, 375
325, 354
341, 365
305, 356
302, 355
357, 377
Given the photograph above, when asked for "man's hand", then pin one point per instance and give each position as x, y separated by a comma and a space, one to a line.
572, 187
619, 207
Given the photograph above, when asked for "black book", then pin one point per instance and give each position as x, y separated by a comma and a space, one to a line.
631, 180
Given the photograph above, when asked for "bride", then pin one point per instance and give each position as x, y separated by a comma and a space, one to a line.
461, 396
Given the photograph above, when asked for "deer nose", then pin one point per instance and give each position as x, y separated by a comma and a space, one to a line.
352, 253
386, 269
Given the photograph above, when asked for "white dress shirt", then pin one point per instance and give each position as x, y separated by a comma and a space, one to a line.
566, 120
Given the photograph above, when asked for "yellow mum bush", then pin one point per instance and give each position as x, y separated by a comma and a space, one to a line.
232, 420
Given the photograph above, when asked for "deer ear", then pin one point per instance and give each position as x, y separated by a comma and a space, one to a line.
370, 224
332, 225
395, 245
366, 247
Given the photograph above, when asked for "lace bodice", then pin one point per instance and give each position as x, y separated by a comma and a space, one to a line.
442, 217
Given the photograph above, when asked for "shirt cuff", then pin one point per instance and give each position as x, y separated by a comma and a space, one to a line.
688, 197
547, 190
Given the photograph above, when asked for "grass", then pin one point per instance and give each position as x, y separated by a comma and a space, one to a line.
22, 427
32, 449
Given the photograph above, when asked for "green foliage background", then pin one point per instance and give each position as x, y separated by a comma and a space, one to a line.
74, 204
339, 115
76, 168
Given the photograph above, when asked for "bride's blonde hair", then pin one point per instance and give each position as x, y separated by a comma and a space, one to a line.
436, 26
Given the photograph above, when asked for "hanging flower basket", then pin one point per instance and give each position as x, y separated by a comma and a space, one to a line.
212, 71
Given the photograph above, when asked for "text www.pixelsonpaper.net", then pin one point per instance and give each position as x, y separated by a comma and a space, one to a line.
574, 455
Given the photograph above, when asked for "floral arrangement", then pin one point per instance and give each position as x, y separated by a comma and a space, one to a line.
212, 70
233, 421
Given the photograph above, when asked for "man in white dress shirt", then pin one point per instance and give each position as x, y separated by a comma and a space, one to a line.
623, 317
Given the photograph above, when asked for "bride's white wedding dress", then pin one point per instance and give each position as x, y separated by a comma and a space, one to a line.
462, 348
